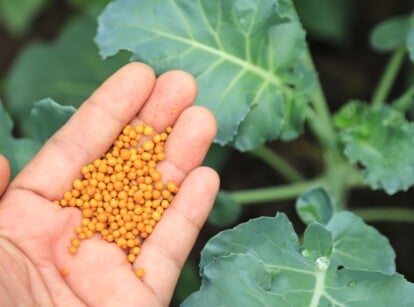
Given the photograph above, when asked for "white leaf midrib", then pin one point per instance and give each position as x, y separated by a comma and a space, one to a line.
244, 64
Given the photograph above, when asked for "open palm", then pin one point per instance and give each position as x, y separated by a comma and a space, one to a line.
35, 233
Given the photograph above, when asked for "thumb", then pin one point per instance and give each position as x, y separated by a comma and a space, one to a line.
4, 174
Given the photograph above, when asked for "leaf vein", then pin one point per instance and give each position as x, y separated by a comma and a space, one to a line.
267, 75
184, 20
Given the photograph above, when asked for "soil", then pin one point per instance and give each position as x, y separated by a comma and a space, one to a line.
347, 70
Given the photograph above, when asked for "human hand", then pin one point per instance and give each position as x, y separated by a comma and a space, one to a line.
35, 233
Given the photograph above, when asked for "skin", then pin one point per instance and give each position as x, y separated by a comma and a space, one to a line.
35, 233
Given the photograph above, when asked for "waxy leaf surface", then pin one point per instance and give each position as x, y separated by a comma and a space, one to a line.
247, 57
260, 263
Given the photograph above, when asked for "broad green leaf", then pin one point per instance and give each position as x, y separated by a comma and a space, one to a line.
46, 117
250, 284
67, 70
259, 263
326, 19
317, 241
358, 245
247, 56
315, 205
17, 151
264, 236
390, 34
381, 140
225, 211
17, 15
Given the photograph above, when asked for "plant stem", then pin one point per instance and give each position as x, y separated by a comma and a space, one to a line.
278, 163
388, 77
386, 214
285, 192
322, 119
404, 102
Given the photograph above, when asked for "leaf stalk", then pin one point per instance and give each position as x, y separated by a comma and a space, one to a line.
278, 193
388, 77
386, 214
278, 163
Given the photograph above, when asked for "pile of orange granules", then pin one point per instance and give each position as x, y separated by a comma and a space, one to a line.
121, 195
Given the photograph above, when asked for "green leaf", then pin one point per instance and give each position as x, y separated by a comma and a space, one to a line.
315, 205
382, 141
317, 241
17, 151
46, 117
17, 15
68, 70
247, 57
251, 288
254, 237
358, 245
225, 211
259, 263
390, 34
394, 32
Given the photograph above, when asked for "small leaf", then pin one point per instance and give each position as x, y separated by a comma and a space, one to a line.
74, 70
259, 263
382, 141
247, 56
317, 241
390, 34
359, 246
225, 211
315, 206
17, 151
47, 117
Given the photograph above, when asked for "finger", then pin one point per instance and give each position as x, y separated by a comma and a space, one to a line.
165, 251
89, 133
188, 143
174, 91
4, 174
